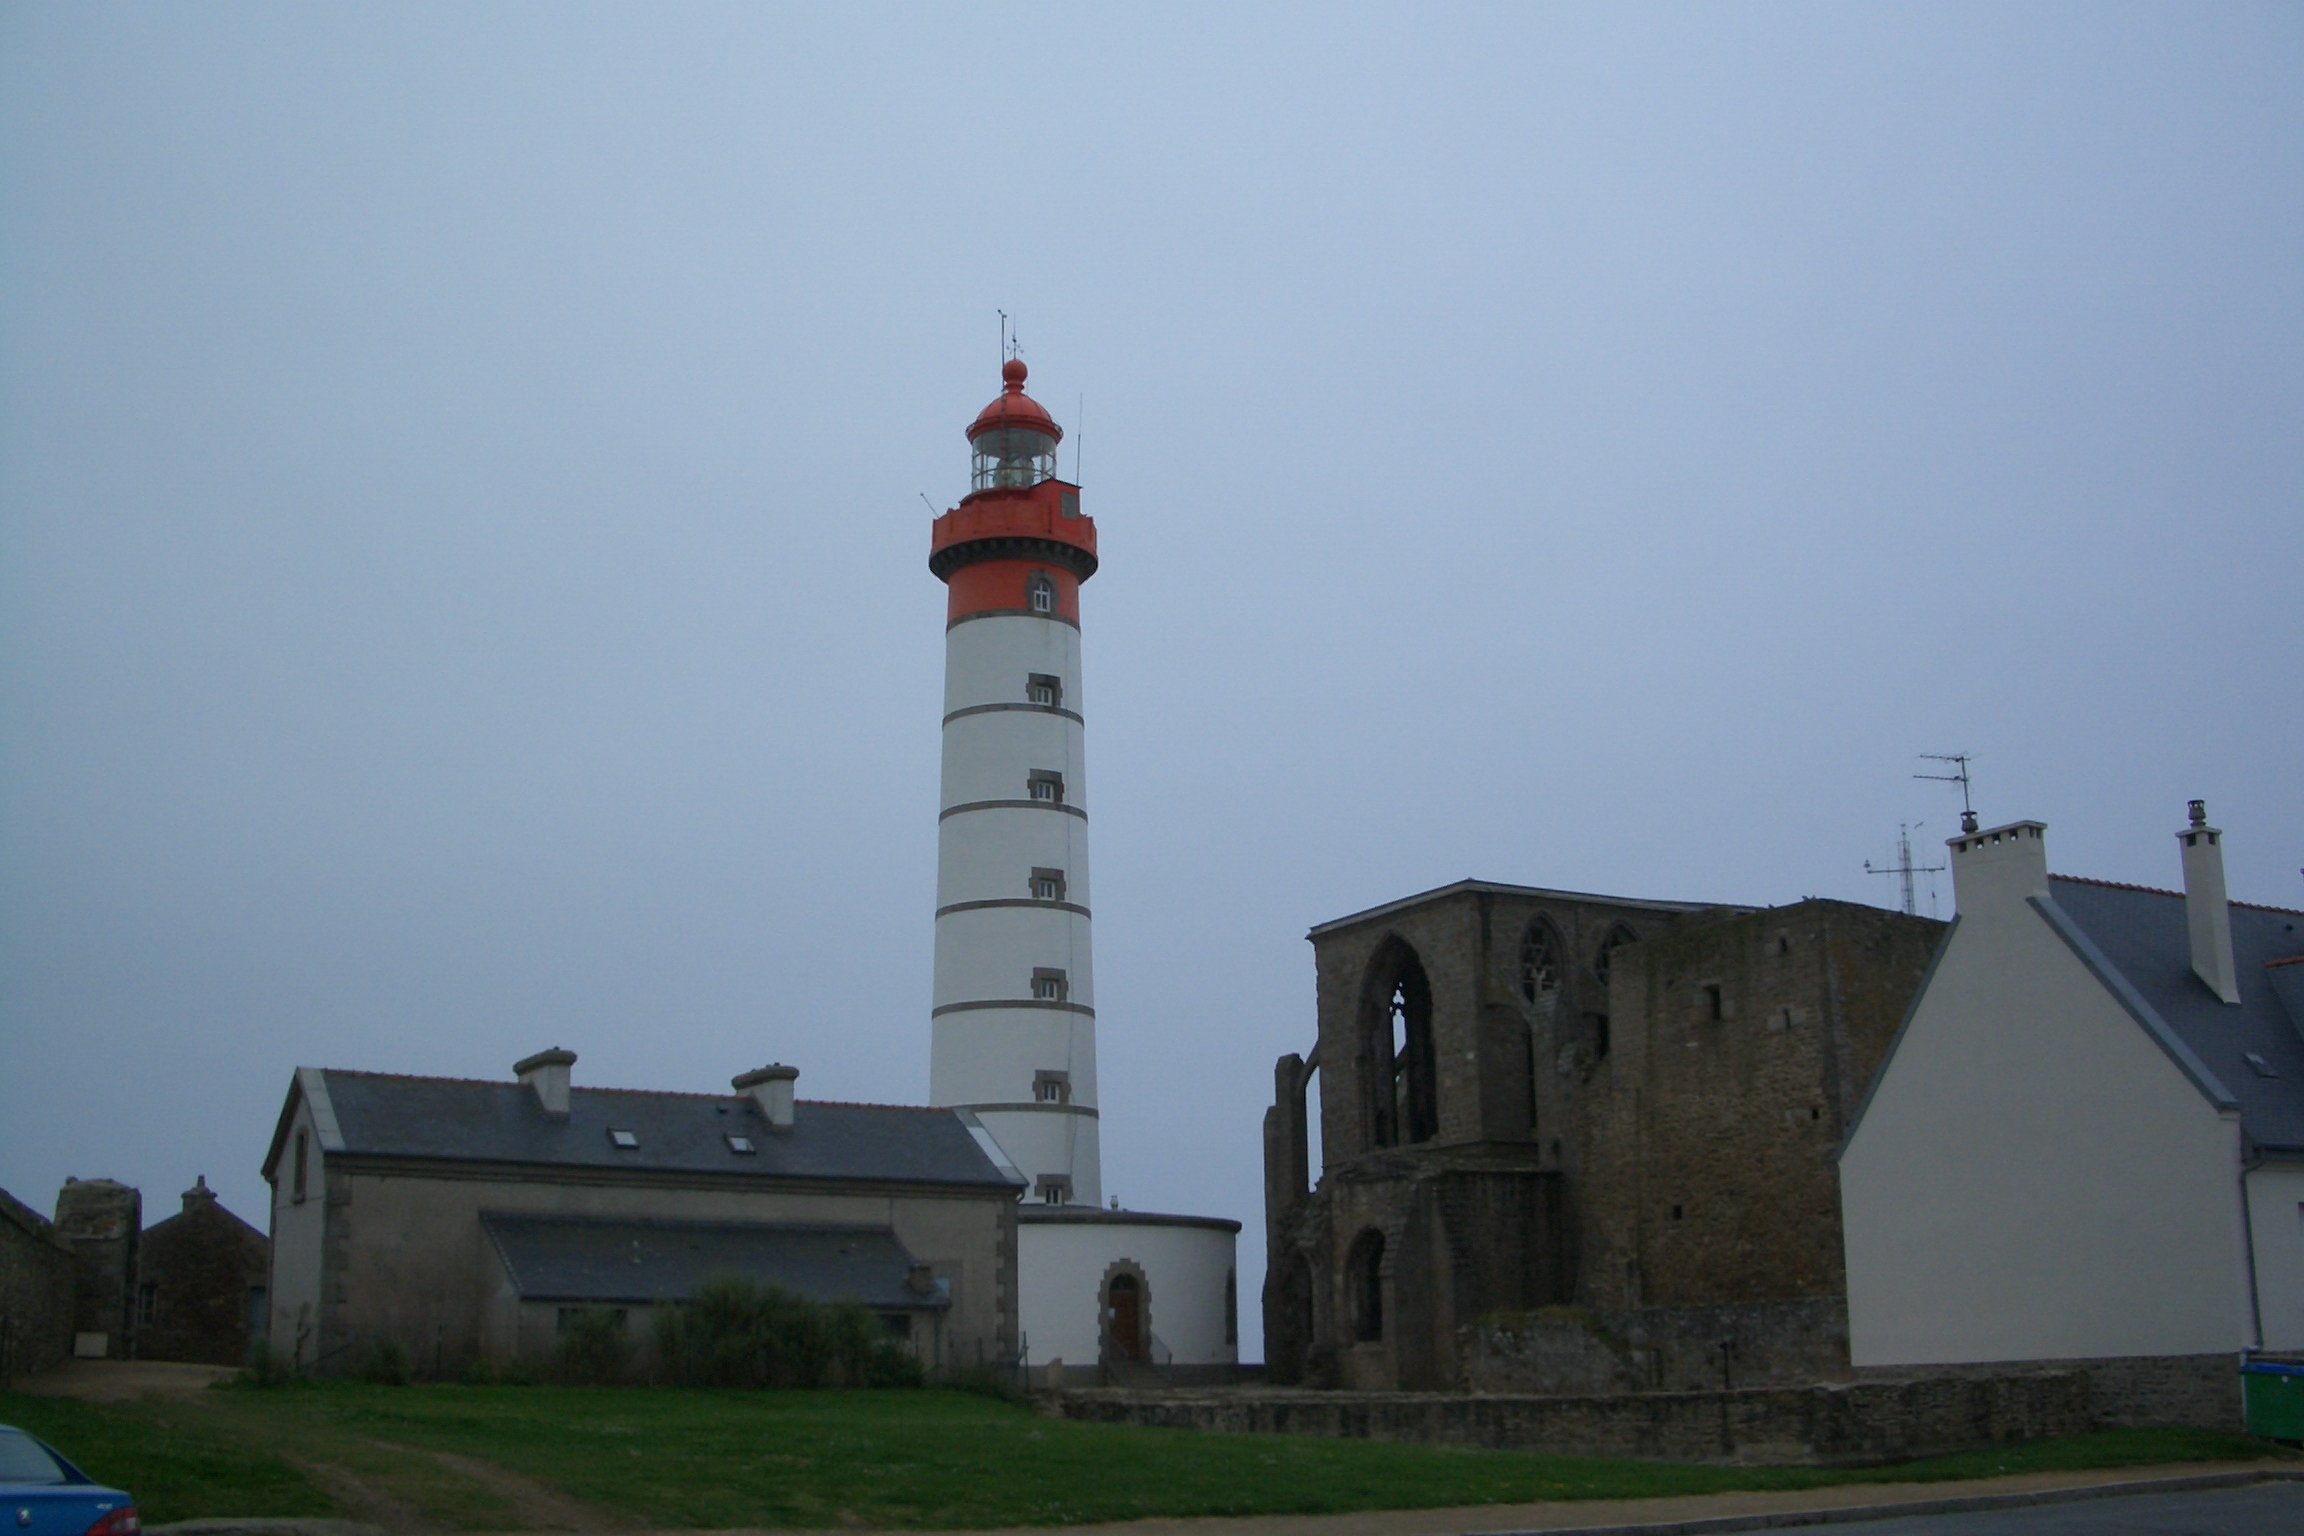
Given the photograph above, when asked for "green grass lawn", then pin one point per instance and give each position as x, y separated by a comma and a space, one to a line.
886, 1459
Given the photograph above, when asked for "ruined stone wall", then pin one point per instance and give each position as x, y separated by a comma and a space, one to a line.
36, 1292
1644, 1118
1704, 1147
1569, 1350
103, 1221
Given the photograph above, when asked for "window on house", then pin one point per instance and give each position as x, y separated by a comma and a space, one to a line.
303, 1148
1053, 1189
1044, 689
147, 1304
1047, 786
1047, 885
1713, 1005
1043, 594
741, 1144
623, 1140
1052, 1087
1050, 986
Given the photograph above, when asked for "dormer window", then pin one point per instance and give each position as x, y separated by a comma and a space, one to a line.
623, 1140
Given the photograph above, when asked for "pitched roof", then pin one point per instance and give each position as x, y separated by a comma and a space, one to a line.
2142, 934
608, 1259
380, 1115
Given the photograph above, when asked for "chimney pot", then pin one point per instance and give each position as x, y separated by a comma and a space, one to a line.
771, 1089
547, 1073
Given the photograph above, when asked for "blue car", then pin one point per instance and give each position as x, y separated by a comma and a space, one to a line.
42, 1494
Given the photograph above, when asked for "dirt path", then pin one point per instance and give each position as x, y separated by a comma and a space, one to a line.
538, 1507
112, 1381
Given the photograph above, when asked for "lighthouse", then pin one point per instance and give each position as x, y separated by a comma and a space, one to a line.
1013, 1023
1103, 1293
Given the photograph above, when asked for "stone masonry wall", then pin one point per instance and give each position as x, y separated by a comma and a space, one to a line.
1844, 1423
36, 1281
1705, 1145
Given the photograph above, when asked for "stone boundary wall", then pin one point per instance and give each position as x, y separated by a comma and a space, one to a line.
1874, 1420
2126, 1392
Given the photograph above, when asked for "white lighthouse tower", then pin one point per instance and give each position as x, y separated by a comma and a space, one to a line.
1014, 1017
1103, 1293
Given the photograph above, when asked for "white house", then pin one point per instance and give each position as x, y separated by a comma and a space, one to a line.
2087, 1140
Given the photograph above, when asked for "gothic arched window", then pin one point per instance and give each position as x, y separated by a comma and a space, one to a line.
1403, 1093
1364, 1273
1539, 961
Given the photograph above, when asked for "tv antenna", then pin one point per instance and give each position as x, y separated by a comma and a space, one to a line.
1010, 347
1959, 776
1904, 869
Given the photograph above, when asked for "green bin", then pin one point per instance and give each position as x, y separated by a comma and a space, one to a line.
2275, 1399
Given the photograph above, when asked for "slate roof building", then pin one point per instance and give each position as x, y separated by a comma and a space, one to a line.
2087, 1142
463, 1218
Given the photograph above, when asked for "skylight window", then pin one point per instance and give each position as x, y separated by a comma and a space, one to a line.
741, 1144
2259, 1065
623, 1140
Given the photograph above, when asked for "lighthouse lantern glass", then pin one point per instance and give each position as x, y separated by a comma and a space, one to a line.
1011, 457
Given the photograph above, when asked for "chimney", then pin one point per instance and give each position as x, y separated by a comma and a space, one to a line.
198, 1195
1997, 869
2207, 913
771, 1089
547, 1073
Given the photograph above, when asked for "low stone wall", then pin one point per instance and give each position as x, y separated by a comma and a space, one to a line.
1567, 1350
2134, 1391
1834, 1422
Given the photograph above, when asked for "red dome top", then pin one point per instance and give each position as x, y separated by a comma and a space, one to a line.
1014, 408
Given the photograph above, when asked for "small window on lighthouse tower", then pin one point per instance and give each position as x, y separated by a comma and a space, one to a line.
1054, 1189
1044, 690
1052, 1087
1047, 885
1047, 786
1043, 593
1050, 986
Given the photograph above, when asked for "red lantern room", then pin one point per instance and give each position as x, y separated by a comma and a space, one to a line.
1014, 438
1017, 542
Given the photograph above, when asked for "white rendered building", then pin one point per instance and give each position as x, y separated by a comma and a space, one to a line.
1013, 1022
2087, 1142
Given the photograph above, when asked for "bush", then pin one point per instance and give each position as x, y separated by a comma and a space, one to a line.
734, 1333
489, 1371
266, 1367
385, 1363
594, 1347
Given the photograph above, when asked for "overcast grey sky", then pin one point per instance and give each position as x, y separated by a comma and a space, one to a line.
463, 571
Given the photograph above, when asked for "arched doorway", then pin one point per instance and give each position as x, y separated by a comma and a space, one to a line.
1127, 1314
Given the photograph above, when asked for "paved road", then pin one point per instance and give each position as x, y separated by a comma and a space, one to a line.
2267, 1509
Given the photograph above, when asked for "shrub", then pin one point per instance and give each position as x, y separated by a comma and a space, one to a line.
385, 1363
266, 1367
734, 1333
594, 1347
